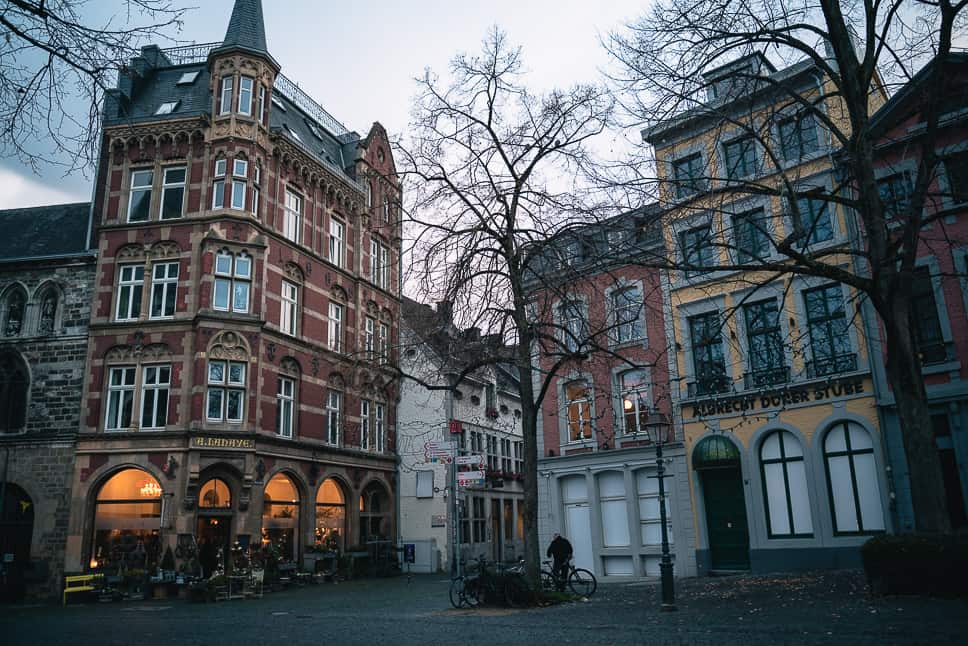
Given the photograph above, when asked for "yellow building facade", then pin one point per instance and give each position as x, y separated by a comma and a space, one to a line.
770, 370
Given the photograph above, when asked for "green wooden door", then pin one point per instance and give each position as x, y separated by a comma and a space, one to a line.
729, 538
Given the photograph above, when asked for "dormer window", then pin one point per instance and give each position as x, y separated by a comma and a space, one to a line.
225, 103
293, 133
167, 108
276, 102
313, 129
187, 78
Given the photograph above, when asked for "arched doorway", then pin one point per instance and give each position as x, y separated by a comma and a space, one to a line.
16, 532
374, 513
127, 521
214, 529
330, 516
280, 516
717, 461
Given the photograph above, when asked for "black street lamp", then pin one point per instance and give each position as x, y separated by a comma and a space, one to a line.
657, 428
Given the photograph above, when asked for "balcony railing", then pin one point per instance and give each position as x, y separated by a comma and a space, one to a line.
833, 365
938, 352
199, 54
766, 377
709, 386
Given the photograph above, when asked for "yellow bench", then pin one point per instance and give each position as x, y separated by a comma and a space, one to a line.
81, 583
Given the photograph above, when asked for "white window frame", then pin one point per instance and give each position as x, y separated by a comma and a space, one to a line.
634, 395
225, 387
337, 236
132, 285
384, 342
168, 282
292, 215
246, 95
118, 393
285, 411
156, 386
240, 174
167, 185
231, 279
365, 427
369, 337
335, 327
218, 186
379, 430
140, 188
334, 415
225, 102
379, 264
627, 329
649, 514
289, 312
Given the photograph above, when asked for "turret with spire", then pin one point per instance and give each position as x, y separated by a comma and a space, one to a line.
243, 73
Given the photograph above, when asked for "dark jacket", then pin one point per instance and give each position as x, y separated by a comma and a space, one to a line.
560, 549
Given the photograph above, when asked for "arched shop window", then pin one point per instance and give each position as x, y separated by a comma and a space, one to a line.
280, 516
785, 486
330, 516
215, 494
374, 513
127, 521
855, 494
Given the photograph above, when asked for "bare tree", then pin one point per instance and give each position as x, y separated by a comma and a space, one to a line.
55, 67
491, 169
856, 50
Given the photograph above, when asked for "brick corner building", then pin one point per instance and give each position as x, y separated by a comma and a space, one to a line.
244, 312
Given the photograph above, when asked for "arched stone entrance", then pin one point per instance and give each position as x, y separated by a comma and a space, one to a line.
717, 461
16, 532
127, 521
280, 515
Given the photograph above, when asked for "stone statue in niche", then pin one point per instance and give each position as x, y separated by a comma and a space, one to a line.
15, 315
47, 310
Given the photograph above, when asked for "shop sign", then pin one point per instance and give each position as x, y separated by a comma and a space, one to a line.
766, 399
223, 443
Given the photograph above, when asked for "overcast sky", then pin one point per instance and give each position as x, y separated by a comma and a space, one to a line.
358, 59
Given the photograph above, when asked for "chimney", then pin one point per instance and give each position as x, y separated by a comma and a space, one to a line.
445, 312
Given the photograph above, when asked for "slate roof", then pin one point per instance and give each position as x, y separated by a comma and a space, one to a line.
160, 85
44, 231
247, 29
459, 348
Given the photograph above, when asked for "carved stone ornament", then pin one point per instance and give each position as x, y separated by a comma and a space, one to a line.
338, 293
150, 352
289, 366
271, 351
131, 252
228, 345
165, 249
293, 272
315, 363
336, 381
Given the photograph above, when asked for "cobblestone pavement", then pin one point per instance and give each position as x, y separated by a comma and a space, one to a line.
826, 608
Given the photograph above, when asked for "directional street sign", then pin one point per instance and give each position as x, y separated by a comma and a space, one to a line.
467, 478
471, 459
442, 452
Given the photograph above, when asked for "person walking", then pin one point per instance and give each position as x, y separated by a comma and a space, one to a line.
560, 550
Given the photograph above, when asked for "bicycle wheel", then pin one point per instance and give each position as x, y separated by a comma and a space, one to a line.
516, 592
472, 592
457, 593
582, 582
548, 581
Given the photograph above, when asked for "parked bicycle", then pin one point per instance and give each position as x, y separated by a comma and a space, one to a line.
491, 583
581, 581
